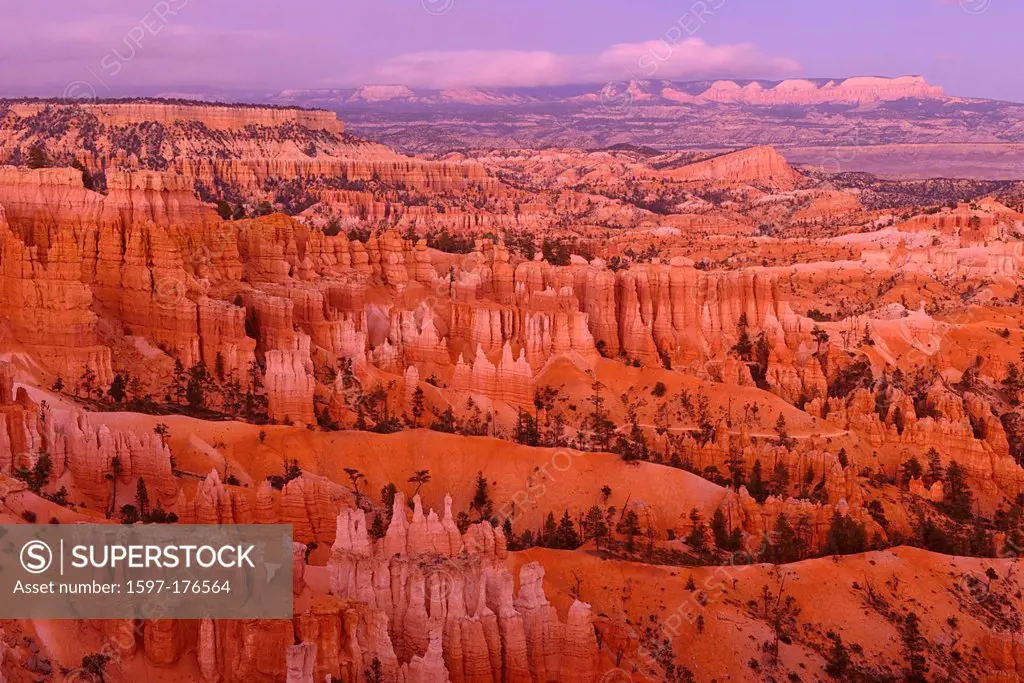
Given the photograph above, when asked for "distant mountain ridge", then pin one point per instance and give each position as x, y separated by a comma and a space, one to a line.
835, 116
856, 90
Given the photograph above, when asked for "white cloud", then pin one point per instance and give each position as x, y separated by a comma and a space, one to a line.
688, 59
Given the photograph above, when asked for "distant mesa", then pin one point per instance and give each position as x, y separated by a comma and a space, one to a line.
228, 117
857, 90
382, 93
755, 165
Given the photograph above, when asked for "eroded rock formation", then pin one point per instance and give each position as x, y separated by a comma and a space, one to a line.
451, 613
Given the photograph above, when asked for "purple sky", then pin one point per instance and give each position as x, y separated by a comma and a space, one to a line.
117, 47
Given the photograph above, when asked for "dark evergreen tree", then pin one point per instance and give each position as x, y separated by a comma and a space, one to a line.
720, 531
756, 486
481, 503
567, 532
179, 382
911, 470
142, 497
915, 647
698, 538
838, 658
959, 500
845, 536
629, 526
118, 387
935, 470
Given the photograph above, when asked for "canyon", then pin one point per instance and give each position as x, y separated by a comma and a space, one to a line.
552, 414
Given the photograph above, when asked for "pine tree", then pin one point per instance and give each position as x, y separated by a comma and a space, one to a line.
255, 401
355, 477
567, 533
820, 337
911, 470
417, 406
756, 485
292, 471
481, 503
223, 209
549, 532
1013, 382
526, 429
387, 498
898, 420
420, 478
838, 658
845, 536
87, 382
95, 664
598, 422
162, 431
780, 479
142, 497
935, 470
787, 546
375, 672
197, 386
958, 499
780, 430
37, 156
40, 474
866, 339
445, 421
743, 348
762, 353
698, 538
737, 467
377, 527
629, 526
781, 613
118, 387
914, 645
594, 526
135, 392
720, 530
179, 382
115, 472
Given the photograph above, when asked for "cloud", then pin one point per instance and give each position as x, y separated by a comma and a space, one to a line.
449, 69
688, 59
693, 58
112, 52
119, 53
